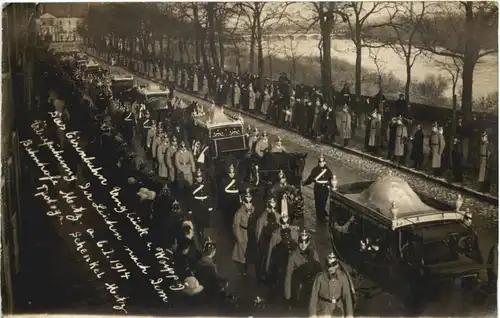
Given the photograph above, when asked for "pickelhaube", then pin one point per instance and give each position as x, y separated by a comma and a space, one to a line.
199, 173
209, 246
304, 237
281, 174
331, 260
321, 158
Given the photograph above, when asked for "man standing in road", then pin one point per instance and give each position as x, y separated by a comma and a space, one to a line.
169, 160
243, 233
436, 146
278, 146
201, 204
303, 266
345, 125
331, 292
262, 145
320, 176
185, 165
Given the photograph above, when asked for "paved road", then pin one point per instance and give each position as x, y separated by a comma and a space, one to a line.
380, 304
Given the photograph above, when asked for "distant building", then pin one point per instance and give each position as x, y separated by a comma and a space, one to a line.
58, 29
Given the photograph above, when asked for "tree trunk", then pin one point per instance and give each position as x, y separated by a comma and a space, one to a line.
269, 56
197, 27
221, 52
408, 80
470, 59
260, 56
359, 49
181, 50
252, 48
211, 35
326, 65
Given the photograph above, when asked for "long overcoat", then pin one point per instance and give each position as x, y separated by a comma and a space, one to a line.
195, 82
185, 165
399, 143
241, 222
169, 160
251, 99
237, 94
436, 146
161, 158
484, 157
265, 103
375, 133
345, 125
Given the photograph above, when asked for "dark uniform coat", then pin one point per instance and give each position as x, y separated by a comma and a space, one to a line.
241, 223
201, 205
328, 296
302, 267
276, 239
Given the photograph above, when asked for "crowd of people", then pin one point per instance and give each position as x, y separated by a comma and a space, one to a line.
388, 129
175, 201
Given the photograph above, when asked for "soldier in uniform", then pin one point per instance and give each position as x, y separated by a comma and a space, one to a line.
283, 241
345, 125
417, 149
242, 233
185, 165
267, 223
169, 160
154, 145
151, 134
484, 163
229, 197
201, 204
262, 145
207, 272
128, 124
147, 124
400, 141
252, 141
278, 146
331, 292
320, 176
456, 159
436, 146
280, 187
374, 133
161, 152
303, 266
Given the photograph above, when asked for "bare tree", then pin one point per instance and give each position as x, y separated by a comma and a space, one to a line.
356, 14
259, 16
405, 20
454, 68
290, 50
374, 55
464, 30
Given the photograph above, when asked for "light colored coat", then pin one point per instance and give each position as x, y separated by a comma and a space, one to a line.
265, 103
185, 165
154, 145
161, 158
484, 156
251, 99
436, 146
237, 94
345, 125
261, 146
401, 135
240, 221
195, 82
169, 160
375, 134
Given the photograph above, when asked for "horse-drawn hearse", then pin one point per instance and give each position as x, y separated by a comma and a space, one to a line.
225, 136
121, 86
155, 98
392, 234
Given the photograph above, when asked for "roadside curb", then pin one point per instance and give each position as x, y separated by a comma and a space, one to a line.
466, 190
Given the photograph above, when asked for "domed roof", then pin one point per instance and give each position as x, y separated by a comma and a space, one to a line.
381, 195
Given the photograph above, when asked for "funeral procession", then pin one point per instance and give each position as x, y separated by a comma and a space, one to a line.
250, 159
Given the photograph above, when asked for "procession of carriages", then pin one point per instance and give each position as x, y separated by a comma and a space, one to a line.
422, 242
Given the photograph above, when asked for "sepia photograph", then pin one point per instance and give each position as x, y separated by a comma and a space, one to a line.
249, 159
